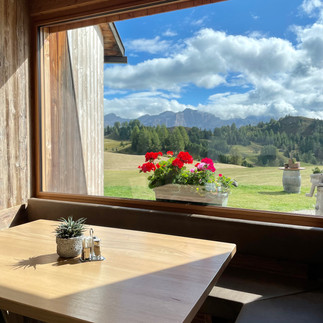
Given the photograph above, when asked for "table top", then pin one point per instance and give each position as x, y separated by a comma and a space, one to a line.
146, 277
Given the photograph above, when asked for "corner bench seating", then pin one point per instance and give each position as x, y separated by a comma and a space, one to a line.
252, 296
275, 276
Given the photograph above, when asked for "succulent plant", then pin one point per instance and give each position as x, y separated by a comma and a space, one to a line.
68, 228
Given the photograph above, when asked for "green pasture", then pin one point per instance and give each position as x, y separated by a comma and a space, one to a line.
116, 145
259, 187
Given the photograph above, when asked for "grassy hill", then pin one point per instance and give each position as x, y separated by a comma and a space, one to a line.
116, 145
259, 187
292, 125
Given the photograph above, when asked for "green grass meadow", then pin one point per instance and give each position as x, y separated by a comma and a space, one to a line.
260, 188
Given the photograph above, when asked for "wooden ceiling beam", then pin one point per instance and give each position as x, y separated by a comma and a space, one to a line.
48, 12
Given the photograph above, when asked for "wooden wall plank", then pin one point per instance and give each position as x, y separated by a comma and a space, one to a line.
73, 140
13, 216
15, 184
64, 169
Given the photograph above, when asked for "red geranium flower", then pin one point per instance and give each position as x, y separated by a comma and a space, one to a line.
220, 175
210, 164
185, 157
152, 156
157, 165
148, 167
177, 162
207, 161
170, 153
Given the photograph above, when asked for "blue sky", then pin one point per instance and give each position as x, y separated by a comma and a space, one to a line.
233, 59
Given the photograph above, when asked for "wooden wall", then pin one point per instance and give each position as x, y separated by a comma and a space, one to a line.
87, 53
73, 112
14, 105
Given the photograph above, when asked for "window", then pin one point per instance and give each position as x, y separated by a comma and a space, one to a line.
244, 93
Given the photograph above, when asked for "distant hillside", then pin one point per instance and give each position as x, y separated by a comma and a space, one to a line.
188, 118
296, 125
271, 142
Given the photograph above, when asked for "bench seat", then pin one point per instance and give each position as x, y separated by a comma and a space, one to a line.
239, 287
245, 285
298, 308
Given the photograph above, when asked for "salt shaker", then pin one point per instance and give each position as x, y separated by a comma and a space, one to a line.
86, 250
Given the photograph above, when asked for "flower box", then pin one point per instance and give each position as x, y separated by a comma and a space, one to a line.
317, 179
190, 194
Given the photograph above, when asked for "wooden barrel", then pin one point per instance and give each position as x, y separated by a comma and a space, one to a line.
292, 181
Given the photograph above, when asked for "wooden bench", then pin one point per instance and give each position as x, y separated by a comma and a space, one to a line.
238, 288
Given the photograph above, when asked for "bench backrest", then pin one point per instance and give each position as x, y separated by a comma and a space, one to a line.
286, 242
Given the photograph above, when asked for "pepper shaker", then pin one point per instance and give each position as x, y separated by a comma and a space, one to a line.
97, 248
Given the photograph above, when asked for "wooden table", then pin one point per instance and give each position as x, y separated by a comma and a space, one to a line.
146, 277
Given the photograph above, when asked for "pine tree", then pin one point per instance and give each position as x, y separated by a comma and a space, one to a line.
176, 141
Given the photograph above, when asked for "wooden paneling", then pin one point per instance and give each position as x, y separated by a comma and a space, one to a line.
73, 111
86, 53
112, 43
13, 216
63, 167
48, 11
14, 104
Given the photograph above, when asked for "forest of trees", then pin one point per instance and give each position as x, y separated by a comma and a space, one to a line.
277, 139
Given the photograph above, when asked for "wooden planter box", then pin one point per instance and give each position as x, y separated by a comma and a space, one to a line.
190, 194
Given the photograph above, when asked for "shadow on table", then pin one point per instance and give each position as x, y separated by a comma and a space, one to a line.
52, 258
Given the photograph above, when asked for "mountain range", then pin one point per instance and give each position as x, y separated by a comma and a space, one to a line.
187, 118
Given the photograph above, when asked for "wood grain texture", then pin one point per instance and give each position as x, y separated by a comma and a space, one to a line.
112, 46
48, 12
223, 212
8, 217
146, 277
14, 103
86, 51
72, 113
63, 167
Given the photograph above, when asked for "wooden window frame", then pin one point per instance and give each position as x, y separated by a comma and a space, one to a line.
76, 19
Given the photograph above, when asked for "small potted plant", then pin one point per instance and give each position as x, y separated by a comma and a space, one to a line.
69, 235
293, 164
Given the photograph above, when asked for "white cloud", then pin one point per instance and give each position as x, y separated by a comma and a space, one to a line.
136, 105
198, 22
310, 6
152, 46
169, 33
254, 17
278, 77
113, 92
205, 61
256, 34
311, 41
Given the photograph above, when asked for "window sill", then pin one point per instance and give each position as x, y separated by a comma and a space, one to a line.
222, 212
